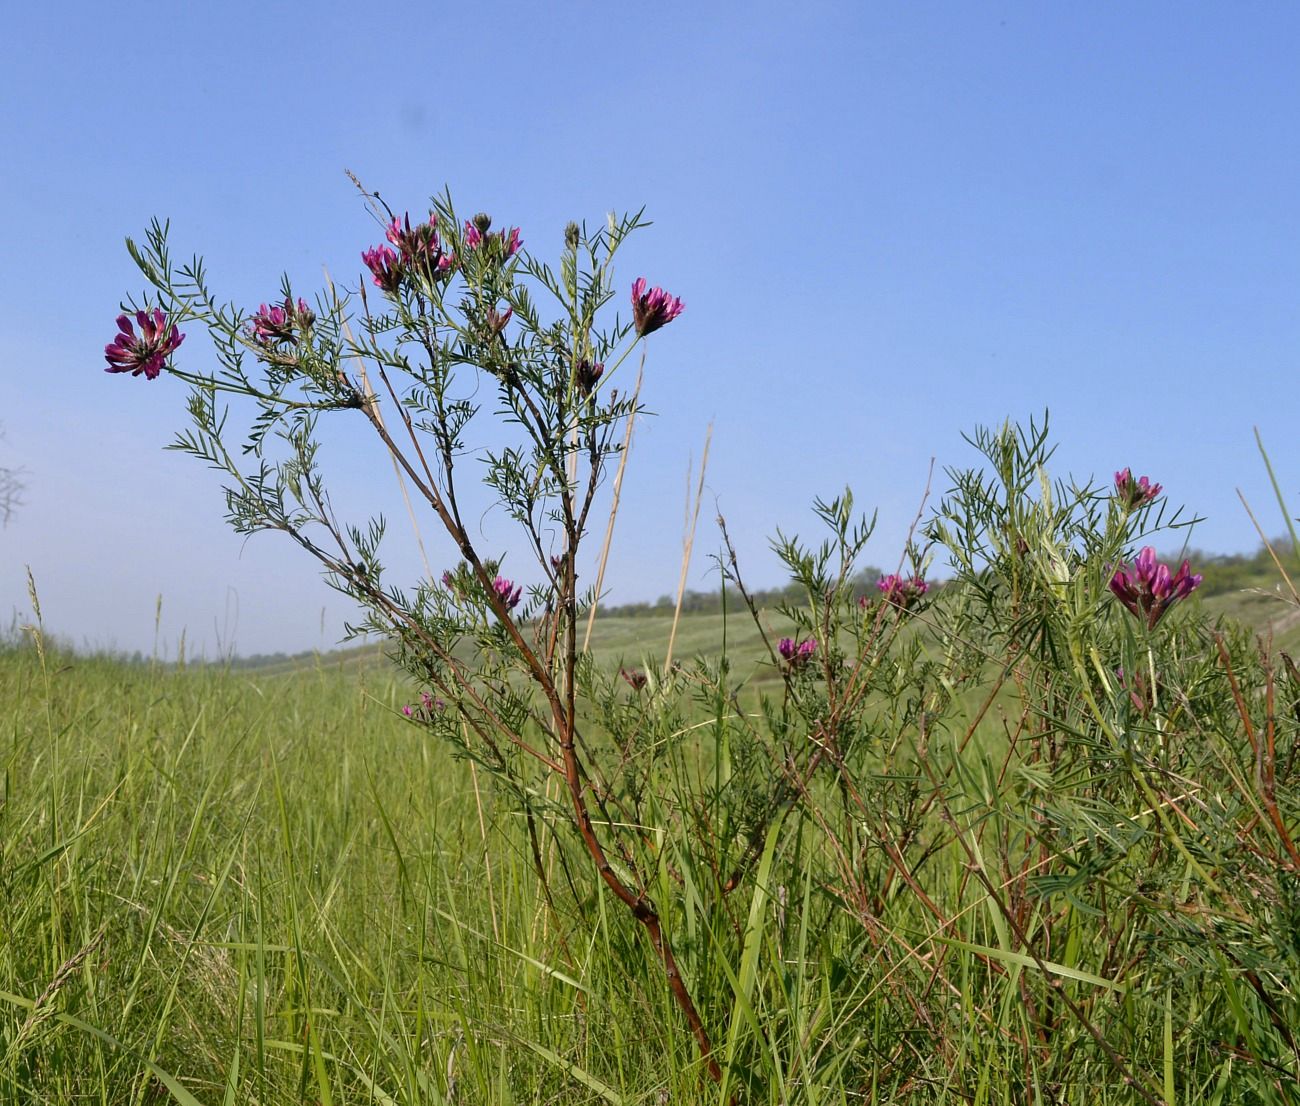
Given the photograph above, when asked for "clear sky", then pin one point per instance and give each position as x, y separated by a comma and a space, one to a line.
889, 222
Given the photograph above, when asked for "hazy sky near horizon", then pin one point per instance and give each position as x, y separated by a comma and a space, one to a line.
889, 223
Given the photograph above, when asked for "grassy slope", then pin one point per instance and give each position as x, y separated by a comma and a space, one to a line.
252, 889
619, 640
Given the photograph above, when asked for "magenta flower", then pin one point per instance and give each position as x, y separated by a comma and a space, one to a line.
899, 592
796, 654
1150, 588
278, 324
476, 236
428, 707
385, 266
146, 352
1134, 493
652, 309
507, 592
634, 676
496, 320
420, 246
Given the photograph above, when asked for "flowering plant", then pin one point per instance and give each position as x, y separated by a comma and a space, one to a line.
1133, 494
456, 315
1150, 588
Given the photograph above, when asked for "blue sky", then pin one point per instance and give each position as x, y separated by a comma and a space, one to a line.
889, 223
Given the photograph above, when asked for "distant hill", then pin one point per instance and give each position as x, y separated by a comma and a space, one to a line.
1244, 587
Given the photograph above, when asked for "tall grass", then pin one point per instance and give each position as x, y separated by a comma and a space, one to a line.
220, 888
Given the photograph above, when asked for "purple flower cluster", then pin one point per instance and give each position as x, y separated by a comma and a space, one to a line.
420, 245
476, 237
425, 709
385, 267
652, 309
899, 592
1134, 493
796, 654
145, 352
281, 323
417, 248
507, 591
1151, 588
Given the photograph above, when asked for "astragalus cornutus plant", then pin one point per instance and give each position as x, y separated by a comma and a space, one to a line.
454, 319
1011, 822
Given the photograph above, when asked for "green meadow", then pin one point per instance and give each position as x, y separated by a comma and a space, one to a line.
225, 885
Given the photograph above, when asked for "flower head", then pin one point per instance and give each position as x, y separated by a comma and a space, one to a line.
796, 653
1149, 589
271, 325
507, 591
419, 246
427, 708
634, 676
587, 374
899, 592
477, 236
145, 352
1134, 493
385, 266
653, 309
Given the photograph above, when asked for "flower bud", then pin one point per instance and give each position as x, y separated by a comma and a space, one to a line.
586, 375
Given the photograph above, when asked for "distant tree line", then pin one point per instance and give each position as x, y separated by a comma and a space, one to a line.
711, 602
1225, 572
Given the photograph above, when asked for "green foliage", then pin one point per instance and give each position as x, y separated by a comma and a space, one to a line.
999, 841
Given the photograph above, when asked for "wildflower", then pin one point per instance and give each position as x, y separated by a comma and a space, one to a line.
1134, 493
899, 592
146, 352
507, 592
278, 324
385, 266
477, 236
798, 654
652, 309
1150, 588
496, 321
427, 708
586, 375
420, 246
634, 676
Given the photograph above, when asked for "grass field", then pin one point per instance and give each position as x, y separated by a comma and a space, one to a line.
267, 886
